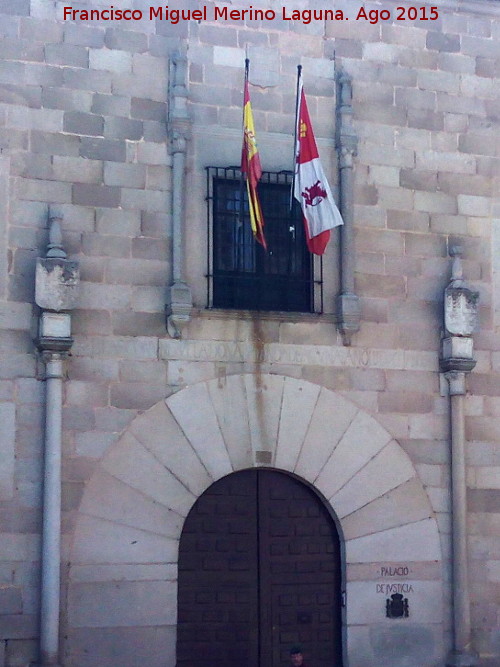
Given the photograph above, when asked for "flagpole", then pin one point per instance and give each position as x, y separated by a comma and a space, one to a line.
295, 136
241, 210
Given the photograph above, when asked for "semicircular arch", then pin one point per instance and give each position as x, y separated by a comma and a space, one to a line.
133, 508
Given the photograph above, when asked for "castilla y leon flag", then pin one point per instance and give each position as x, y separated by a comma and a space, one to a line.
311, 188
250, 166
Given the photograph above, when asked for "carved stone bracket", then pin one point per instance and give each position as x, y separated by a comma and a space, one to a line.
179, 298
348, 307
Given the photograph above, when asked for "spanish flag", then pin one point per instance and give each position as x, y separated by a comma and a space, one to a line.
250, 166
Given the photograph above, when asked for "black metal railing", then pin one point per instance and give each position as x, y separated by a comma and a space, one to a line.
241, 274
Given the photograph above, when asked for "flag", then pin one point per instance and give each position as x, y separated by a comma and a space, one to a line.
250, 166
311, 189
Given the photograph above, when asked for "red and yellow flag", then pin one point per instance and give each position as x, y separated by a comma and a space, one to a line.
311, 189
250, 166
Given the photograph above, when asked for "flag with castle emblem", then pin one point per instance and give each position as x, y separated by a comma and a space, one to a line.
311, 188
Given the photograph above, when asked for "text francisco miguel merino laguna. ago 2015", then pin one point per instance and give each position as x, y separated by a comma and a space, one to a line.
214, 13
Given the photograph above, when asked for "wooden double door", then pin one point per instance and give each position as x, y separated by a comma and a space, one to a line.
259, 571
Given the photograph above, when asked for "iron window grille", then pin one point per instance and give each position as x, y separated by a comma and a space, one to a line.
241, 274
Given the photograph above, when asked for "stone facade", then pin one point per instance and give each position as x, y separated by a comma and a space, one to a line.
150, 422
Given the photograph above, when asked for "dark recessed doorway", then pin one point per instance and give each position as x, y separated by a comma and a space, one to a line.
259, 571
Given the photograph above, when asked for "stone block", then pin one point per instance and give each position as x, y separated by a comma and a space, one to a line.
76, 170
136, 466
78, 419
115, 501
387, 470
152, 153
148, 248
425, 245
54, 144
100, 541
86, 194
428, 427
142, 371
418, 541
77, 122
137, 323
228, 56
30, 96
479, 46
14, 316
127, 175
399, 157
144, 200
435, 202
104, 297
405, 503
103, 149
155, 131
144, 109
150, 646
441, 42
47, 120
111, 60
126, 40
379, 286
111, 105
20, 49
415, 98
435, 80
137, 272
21, 651
425, 119
388, 242
15, 7
460, 104
40, 190
136, 395
123, 128
19, 626
118, 222
346, 460
417, 221
82, 35
113, 419
474, 206
323, 433
418, 180
85, 393
7, 418
201, 428
377, 51
11, 72
478, 143
159, 432
94, 80
93, 445
68, 55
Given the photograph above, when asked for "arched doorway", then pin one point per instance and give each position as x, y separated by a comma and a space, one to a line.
259, 571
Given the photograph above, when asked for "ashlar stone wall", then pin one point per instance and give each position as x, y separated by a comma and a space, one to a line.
83, 134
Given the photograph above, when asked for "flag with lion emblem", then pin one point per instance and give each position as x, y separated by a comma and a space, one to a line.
311, 188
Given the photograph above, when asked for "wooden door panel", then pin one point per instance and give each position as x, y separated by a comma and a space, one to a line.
218, 592
259, 571
299, 571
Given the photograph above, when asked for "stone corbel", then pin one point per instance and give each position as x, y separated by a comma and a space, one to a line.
348, 308
179, 298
